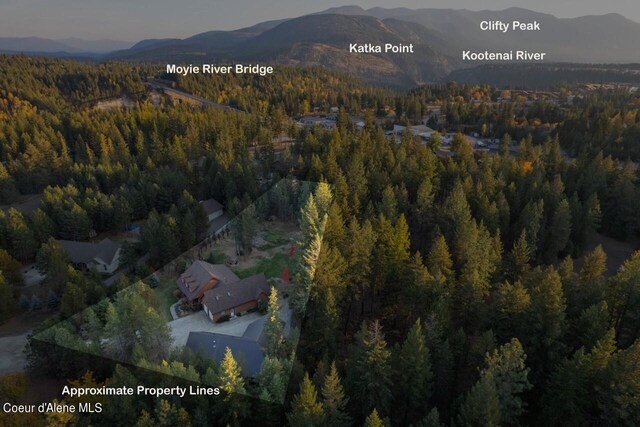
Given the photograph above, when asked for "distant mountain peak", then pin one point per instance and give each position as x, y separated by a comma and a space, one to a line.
344, 10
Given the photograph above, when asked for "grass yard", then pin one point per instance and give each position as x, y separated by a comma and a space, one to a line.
271, 267
276, 237
217, 257
165, 293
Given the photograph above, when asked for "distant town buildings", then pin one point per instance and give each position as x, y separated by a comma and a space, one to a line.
422, 131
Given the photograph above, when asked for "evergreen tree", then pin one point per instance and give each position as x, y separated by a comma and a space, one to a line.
358, 253
623, 297
506, 366
230, 379
20, 235
53, 261
413, 372
374, 420
322, 198
306, 411
334, 400
36, 303
11, 269
370, 370
431, 420
559, 231
52, 300
273, 327
481, 405
435, 141
439, 260
545, 321
520, 257
272, 378
232, 385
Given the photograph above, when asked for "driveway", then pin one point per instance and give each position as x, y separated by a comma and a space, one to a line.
199, 322
11, 357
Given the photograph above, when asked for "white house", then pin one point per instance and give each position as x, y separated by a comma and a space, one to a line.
103, 257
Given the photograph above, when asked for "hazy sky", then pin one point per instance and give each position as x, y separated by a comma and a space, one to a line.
132, 20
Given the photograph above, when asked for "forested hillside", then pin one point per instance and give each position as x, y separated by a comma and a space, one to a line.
445, 290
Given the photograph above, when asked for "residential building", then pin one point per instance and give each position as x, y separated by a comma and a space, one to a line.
202, 276
212, 208
103, 256
230, 299
220, 291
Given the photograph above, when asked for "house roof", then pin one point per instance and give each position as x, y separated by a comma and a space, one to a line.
255, 331
247, 352
192, 281
85, 252
211, 206
232, 294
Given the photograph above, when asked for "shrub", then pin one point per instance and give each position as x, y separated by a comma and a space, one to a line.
52, 300
223, 318
36, 304
24, 303
263, 305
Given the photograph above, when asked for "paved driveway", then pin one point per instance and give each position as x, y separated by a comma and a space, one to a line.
199, 322
11, 357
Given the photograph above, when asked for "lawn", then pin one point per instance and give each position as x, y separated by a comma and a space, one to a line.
276, 237
165, 293
271, 267
217, 257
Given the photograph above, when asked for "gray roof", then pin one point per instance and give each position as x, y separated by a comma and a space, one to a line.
218, 224
232, 294
255, 331
211, 205
200, 273
85, 252
246, 352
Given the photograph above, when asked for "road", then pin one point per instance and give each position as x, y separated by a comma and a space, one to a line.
174, 93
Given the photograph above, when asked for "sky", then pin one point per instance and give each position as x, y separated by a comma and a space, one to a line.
134, 20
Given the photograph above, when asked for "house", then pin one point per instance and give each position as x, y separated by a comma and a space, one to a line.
220, 291
212, 208
218, 220
229, 299
103, 256
202, 276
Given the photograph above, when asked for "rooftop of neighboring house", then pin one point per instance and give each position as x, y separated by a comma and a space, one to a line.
84, 252
211, 206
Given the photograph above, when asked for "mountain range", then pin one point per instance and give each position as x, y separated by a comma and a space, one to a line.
438, 37
68, 46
